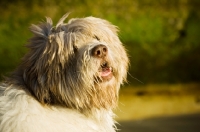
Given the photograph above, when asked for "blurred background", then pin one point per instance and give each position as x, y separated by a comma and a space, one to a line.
162, 38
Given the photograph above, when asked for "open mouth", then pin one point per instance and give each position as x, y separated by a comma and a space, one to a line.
105, 71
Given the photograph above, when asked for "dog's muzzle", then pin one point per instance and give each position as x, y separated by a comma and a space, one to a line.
105, 70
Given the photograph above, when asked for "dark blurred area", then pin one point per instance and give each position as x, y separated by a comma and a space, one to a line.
183, 123
162, 37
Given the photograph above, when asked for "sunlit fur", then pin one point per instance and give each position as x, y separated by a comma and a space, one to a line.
57, 85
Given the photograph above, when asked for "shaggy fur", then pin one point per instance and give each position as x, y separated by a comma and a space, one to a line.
68, 81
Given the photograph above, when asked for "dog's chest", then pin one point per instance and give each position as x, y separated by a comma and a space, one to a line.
22, 113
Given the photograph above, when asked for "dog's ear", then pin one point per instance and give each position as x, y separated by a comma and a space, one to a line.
50, 49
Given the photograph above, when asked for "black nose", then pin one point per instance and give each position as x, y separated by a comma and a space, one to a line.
99, 51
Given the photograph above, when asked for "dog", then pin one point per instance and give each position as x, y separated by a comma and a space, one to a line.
68, 81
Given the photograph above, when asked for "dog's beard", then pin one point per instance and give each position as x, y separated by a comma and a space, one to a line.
99, 77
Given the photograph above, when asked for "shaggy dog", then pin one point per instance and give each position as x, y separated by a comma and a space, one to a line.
68, 81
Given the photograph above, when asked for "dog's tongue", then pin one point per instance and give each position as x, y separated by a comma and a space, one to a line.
105, 72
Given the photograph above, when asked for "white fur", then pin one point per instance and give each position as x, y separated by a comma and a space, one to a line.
23, 113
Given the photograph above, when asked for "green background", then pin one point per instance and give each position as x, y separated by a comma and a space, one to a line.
162, 37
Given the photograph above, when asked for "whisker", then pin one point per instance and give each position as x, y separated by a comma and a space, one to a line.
135, 78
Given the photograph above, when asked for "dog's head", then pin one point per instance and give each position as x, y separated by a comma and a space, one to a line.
79, 64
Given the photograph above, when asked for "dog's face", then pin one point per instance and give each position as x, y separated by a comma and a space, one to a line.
79, 65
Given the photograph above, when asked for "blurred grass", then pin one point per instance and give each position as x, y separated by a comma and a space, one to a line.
158, 100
